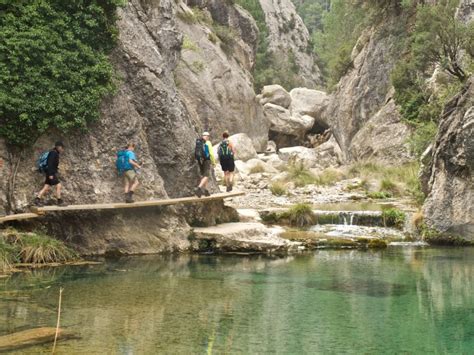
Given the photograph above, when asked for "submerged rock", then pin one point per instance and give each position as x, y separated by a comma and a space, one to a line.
242, 237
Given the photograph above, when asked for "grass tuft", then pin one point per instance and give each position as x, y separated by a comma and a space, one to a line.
278, 188
300, 215
393, 217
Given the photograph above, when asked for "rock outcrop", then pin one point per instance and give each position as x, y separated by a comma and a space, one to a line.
448, 177
289, 37
361, 112
213, 76
151, 109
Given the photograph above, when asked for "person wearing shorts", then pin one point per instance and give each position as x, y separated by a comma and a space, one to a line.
227, 161
130, 174
205, 166
51, 174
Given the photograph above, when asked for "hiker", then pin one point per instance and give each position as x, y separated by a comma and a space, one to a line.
50, 170
127, 165
205, 157
226, 153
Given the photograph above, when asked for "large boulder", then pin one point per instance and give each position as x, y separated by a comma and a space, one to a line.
244, 149
299, 155
308, 102
282, 121
448, 174
275, 94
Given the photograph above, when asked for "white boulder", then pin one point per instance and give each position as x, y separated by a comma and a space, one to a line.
244, 149
308, 102
282, 121
275, 94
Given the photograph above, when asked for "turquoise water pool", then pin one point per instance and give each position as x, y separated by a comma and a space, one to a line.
401, 300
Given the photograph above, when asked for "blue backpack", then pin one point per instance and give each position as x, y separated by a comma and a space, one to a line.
42, 162
122, 162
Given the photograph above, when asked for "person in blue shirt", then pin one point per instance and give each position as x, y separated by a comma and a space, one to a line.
130, 174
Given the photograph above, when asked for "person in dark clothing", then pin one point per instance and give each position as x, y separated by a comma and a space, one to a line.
52, 175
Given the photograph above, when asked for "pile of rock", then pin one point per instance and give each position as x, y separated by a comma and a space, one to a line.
294, 115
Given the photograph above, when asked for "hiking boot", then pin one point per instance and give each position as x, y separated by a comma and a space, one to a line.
198, 192
60, 202
229, 188
207, 193
129, 198
38, 202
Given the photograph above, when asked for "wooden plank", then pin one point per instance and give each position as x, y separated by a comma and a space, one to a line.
29, 337
18, 217
164, 202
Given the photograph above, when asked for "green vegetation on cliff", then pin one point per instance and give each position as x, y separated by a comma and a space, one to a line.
438, 41
269, 68
54, 69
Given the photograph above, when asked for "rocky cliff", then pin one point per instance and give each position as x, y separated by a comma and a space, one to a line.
289, 37
362, 113
154, 108
448, 176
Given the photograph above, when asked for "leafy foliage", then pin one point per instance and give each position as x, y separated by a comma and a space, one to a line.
438, 40
270, 68
54, 68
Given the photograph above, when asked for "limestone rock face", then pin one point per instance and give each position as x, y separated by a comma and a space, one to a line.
288, 36
361, 111
325, 156
275, 94
383, 137
449, 181
213, 74
148, 109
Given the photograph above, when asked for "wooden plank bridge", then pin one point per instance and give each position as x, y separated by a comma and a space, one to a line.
39, 211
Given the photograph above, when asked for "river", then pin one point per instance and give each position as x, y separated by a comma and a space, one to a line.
400, 300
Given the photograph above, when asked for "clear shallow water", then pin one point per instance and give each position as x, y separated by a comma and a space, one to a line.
401, 300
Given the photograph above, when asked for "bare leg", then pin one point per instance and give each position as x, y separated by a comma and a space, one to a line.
134, 185
58, 191
203, 183
43, 191
231, 178
126, 185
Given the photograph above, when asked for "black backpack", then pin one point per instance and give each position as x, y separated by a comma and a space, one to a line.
224, 150
199, 152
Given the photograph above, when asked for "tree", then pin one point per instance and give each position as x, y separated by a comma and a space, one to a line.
54, 68
440, 39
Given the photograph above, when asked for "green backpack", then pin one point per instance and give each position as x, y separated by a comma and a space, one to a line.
224, 151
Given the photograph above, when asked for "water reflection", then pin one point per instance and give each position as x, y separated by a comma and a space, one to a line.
412, 300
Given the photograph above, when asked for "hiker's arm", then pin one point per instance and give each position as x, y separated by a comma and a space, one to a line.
232, 148
211, 154
134, 164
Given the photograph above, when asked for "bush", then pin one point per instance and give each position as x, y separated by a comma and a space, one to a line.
189, 44
393, 217
54, 65
387, 185
300, 215
300, 175
379, 195
227, 37
278, 188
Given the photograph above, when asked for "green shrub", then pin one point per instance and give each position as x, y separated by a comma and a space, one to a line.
227, 37
387, 185
278, 188
393, 217
300, 215
8, 256
423, 135
257, 169
300, 175
54, 67
188, 44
